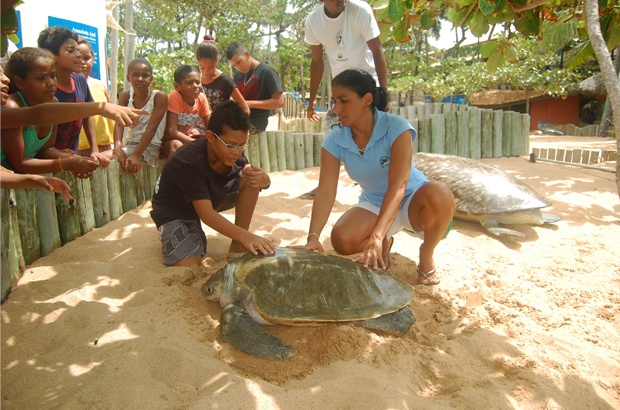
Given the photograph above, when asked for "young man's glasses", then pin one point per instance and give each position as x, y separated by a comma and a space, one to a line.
232, 147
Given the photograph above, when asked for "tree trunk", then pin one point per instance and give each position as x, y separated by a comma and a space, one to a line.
606, 120
612, 83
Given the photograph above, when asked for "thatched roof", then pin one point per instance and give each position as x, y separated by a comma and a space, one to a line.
591, 87
503, 98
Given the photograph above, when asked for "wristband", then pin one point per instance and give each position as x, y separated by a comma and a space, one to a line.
60, 164
317, 236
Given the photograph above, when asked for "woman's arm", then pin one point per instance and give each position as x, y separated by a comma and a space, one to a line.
324, 199
59, 113
236, 96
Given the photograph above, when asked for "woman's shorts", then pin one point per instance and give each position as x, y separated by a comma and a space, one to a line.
182, 239
402, 218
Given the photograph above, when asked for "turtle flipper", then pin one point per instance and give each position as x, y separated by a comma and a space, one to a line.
493, 227
397, 323
550, 218
239, 329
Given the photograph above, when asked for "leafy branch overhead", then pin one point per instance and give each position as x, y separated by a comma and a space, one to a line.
550, 21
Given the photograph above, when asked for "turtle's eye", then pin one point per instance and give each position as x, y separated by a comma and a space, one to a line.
210, 289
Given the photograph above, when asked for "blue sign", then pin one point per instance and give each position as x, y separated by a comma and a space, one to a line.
19, 32
90, 34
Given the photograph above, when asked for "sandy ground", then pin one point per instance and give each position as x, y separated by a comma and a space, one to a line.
533, 324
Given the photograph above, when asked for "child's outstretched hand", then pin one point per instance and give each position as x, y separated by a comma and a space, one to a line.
132, 164
102, 159
54, 184
255, 177
122, 115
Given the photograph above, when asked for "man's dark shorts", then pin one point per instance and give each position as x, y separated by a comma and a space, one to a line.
182, 239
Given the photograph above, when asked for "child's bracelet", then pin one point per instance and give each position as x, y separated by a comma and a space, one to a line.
60, 163
317, 236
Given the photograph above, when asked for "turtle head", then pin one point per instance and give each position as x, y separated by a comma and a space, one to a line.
212, 289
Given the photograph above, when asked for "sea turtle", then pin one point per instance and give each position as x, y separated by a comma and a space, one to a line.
486, 194
302, 288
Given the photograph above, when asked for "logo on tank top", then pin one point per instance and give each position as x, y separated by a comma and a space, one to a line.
384, 161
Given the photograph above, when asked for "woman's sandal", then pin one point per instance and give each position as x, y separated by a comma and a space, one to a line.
427, 277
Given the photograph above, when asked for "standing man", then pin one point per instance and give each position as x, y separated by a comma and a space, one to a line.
350, 34
259, 84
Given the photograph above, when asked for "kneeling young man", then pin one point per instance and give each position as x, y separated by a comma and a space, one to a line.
205, 177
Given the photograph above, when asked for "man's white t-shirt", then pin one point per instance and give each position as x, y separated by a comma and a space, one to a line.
344, 38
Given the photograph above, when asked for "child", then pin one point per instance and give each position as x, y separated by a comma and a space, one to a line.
142, 143
217, 86
188, 109
208, 176
104, 128
10, 180
259, 84
72, 87
31, 71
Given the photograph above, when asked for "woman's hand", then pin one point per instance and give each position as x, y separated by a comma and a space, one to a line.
372, 254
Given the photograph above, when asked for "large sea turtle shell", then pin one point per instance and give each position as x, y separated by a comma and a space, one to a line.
298, 287
485, 193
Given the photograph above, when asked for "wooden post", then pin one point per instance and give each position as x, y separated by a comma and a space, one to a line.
308, 149
26, 201
506, 133
317, 141
438, 134
15, 257
462, 133
451, 132
114, 190
416, 141
271, 147
289, 147
138, 179
280, 150
101, 198
437, 108
525, 140
84, 199
475, 133
253, 152
128, 192
68, 212
298, 142
498, 129
486, 134
6, 283
516, 138
47, 218
424, 135
263, 151
411, 112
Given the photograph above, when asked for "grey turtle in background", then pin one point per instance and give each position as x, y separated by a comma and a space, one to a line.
301, 288
486, 194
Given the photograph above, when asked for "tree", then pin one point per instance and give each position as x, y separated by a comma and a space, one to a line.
527, 17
